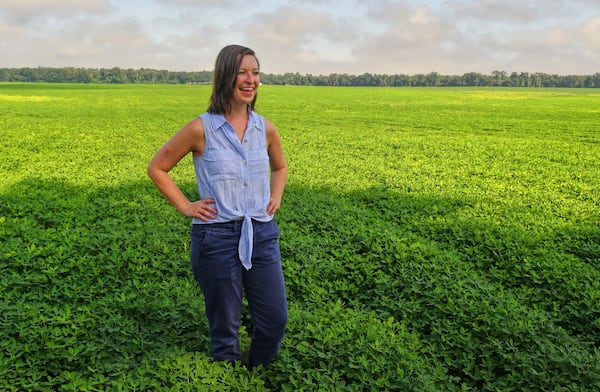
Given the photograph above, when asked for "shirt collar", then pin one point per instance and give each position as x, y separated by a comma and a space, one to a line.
219, 120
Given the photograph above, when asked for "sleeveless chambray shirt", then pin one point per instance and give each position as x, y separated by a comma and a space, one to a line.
236, 174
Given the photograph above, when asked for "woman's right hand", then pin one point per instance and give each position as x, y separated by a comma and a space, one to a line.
202, 209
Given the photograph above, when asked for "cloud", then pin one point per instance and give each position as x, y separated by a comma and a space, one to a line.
198, 4
287, 35
310, 37
589, 34
494, 11
513, 13
98, 41
469, 36
412, 40
29, 11
554, 48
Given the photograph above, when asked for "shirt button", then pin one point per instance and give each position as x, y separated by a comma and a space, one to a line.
244, 161
245, 140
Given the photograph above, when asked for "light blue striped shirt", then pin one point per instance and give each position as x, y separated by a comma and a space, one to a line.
236, 174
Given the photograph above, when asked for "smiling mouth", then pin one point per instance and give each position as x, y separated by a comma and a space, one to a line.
247, 91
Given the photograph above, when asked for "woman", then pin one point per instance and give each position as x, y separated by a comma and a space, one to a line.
241, 173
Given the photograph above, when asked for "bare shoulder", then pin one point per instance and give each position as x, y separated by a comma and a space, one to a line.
192, 134
271, 129
195, 127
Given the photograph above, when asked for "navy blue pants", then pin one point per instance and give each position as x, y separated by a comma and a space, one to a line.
222, 278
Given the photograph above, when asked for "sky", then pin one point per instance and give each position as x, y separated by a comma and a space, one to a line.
317, 37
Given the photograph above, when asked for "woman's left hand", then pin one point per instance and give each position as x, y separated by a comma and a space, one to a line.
273, 206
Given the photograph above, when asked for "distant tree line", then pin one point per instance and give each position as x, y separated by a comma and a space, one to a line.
120, 75
102, 75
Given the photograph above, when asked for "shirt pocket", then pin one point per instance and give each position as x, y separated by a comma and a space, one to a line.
222, 165
259, 162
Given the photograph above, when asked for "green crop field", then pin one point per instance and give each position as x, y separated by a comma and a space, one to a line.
432, 239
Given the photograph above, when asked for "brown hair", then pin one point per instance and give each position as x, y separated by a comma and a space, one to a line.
227, 66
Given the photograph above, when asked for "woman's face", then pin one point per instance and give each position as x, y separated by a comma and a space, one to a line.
247, 82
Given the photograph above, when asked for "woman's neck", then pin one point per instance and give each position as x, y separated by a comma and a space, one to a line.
238, 118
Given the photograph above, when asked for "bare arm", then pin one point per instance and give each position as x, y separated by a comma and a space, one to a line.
279, 169
188, 139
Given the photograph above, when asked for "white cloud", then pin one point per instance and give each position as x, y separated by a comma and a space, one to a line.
28, 11
317, 37
589, 34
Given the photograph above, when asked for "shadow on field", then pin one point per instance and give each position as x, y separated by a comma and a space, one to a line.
98, 280
456, 277
377, 248
477, 293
